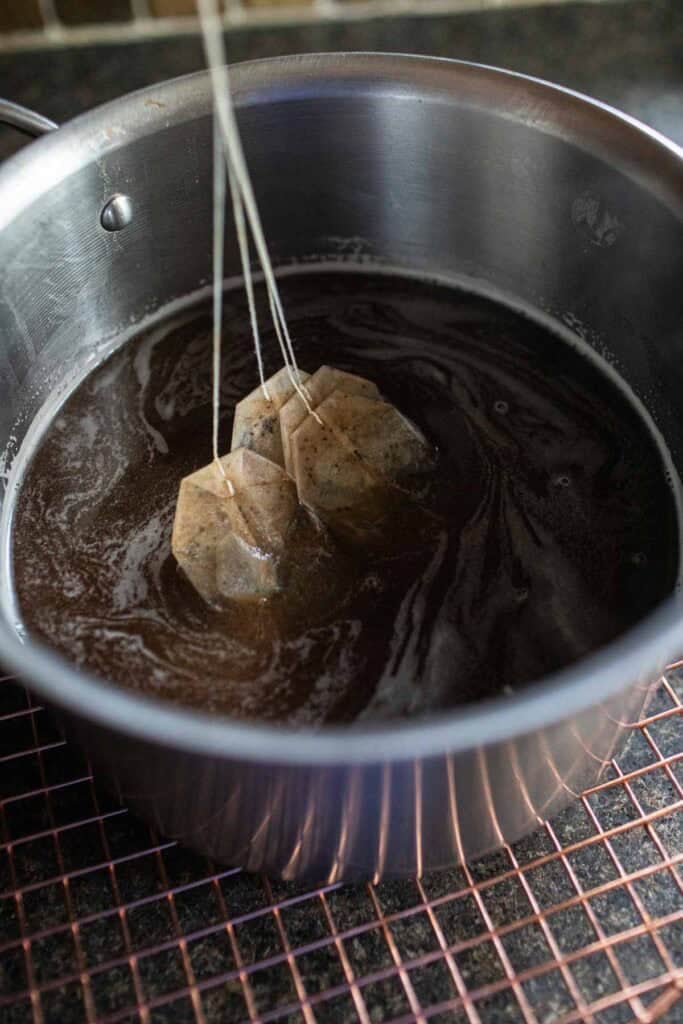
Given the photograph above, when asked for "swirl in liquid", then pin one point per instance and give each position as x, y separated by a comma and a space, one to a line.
555, 525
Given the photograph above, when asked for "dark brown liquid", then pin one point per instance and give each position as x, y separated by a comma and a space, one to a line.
555, 525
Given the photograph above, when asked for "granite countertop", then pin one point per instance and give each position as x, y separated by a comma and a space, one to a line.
625, 53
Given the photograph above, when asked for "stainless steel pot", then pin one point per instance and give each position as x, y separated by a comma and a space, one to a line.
439, 167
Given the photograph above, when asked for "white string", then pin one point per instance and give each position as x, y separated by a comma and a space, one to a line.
234, 154
281, 343
218, 233
243, 242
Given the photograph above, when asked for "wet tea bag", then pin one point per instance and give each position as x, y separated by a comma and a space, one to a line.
239, 530
256, 424
353, 456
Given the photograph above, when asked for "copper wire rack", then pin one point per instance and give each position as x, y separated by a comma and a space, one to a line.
102, 920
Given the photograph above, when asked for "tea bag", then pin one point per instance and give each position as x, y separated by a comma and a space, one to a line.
239, 530
353, 456
256, 424
335, 454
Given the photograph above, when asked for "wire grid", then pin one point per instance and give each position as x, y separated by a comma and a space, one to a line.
102, 920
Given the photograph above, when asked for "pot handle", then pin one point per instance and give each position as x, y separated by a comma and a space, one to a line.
25, 120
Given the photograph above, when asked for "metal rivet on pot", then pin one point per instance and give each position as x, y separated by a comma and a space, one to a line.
117, 212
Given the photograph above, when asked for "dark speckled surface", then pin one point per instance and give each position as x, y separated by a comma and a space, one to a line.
628, 54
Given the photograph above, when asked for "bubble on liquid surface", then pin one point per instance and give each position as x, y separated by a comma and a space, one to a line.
562, 480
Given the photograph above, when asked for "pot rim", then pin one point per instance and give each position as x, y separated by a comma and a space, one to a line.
641, 653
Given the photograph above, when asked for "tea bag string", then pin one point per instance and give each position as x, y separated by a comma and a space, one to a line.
228, 148
218, 229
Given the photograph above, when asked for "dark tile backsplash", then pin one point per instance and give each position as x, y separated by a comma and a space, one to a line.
16, 15
81, 12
